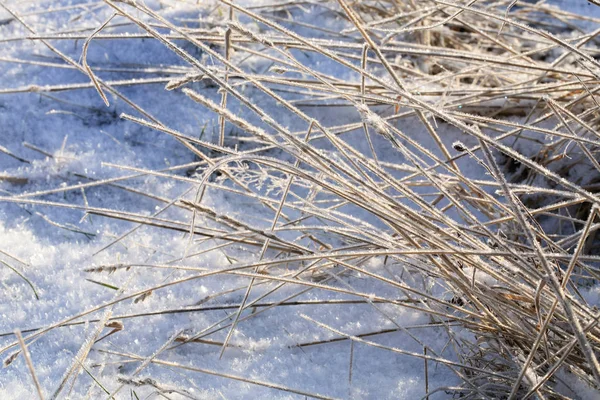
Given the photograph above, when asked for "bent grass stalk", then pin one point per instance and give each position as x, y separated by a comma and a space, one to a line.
501, 258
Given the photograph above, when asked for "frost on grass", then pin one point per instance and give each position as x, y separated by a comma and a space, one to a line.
334, 199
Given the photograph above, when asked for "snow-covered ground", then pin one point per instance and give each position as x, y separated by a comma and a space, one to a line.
63, 135
582, 7
69, 134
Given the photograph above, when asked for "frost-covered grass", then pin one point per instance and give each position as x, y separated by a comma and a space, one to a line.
304, 199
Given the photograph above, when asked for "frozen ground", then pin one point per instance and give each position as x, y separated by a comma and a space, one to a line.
71, 133
64, 135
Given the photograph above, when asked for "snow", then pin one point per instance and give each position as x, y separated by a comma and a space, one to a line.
582, 7
68, 137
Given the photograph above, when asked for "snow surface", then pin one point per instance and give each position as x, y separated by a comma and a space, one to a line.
52, 246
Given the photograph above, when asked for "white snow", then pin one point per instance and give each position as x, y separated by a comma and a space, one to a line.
69, 137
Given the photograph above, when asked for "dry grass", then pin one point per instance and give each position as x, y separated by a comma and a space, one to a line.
512, 250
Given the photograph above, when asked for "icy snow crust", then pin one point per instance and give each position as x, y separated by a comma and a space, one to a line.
80, 134
73, 138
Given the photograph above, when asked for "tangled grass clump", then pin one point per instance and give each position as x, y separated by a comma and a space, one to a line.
447, 150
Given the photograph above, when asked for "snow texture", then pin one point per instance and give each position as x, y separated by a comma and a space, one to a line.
71, 138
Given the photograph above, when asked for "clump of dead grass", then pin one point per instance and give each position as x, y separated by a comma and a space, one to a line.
511, 251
